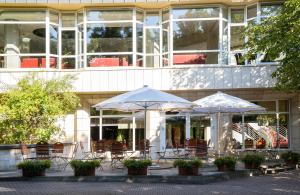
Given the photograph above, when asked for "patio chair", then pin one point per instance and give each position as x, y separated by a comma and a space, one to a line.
57, 155
117, 153
42, 150
25, 152
85, 154
144, 146
201, 149
68, 159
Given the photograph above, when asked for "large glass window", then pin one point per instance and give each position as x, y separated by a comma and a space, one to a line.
175, 131
109, 15
200, 127
109, 37
196, 13
22, 15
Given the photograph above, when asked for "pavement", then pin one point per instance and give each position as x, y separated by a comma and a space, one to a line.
281, 183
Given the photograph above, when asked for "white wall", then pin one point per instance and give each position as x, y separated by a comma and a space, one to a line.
184, 78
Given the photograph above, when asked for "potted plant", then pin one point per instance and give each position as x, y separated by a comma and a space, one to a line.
226, 163
188, 167
137, 167
290, 158
32, 168
84, 168
252, 161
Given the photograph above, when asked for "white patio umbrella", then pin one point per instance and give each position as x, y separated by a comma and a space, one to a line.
224, 103
145, 98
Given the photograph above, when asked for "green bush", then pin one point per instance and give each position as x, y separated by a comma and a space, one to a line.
226, 160
187, 163
137, 164
290, 156
34, 166
85, 165
255, 159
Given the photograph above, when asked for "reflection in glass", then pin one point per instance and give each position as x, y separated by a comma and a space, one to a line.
22, 15
53, 39
251, 11
237, 15
269, 9
196, 13
175, 131
109, 15
68, 42
152, 61
68, 63
54, 18
195, 58
109, 60
196, 35
165, 37
139, 35
152, 41
109, 37
68, 19
152, 18
200, 127
237, 58
237, 40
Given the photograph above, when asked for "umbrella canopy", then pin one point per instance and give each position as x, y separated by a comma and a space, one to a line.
145, 98
221, 102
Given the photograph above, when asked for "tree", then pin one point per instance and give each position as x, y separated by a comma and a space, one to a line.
29, 110
279, 38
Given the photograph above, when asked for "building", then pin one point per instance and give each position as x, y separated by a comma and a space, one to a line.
190, 48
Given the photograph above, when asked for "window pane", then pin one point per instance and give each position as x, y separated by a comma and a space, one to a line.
283, 105
94, 112
251, 11
237, 58
195, 58
200, 127
165, 31
196, 35
53, 39
237, 15
152, 40
109, 15
113, 60
68, 63
269, 9
109, 37
22, 38
165, 60
195, 13
115, 112
54, 17
237, 40
68, 42
27, 15
165, 15
139, 31
152, 61
139, 61
25, 61
68, 20
175, 132
283, 131
79, 17
152, 18
140, 16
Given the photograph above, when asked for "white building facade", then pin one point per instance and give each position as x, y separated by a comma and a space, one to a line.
189, 48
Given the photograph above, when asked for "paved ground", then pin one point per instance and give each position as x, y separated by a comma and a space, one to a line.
283, 183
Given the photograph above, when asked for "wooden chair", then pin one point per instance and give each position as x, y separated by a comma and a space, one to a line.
117, 153
201, 149
144, 146
57, 155
42, 150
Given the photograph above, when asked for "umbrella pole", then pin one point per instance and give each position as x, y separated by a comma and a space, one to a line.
218, 134
145, 132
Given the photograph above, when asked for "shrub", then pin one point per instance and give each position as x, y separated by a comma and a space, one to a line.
137, 164
227, 161
291, 157
34, 167
253, 159
84, 166
187, 163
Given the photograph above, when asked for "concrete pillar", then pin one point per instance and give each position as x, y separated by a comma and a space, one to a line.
153, 131
188, 126
162, 133
83, 125
214, 131
12, 37
225, 134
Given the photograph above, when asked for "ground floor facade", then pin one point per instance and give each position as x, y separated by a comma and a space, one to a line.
278, 126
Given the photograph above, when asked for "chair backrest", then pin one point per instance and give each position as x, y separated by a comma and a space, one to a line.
144, 144
100, 146
58, 148
117, 148
42, 149
192, 142
201, 150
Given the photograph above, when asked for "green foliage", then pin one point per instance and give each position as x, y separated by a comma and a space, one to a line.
29, 110
187, 163
137, 164
255, 159
229, 161
278, 37
290, 157
84, 166
35, 166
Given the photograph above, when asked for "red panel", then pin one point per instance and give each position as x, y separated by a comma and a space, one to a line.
98, 62
189, 59
29, 63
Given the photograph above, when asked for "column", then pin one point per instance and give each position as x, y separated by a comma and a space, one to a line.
12, 37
